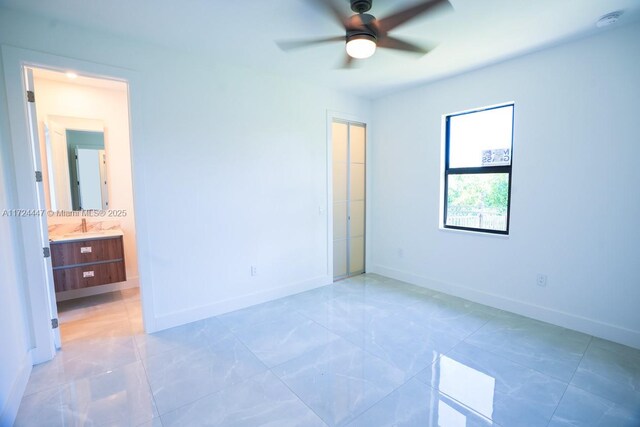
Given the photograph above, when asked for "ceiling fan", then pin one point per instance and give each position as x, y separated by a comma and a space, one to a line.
364, 33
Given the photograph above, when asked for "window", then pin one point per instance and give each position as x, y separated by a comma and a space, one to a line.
477, 171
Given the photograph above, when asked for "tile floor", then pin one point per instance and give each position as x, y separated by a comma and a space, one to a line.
367, 351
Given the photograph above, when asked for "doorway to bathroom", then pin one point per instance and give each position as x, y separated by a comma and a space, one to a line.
81, 129
348, 140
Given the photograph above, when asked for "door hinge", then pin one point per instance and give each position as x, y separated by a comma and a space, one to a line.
46, 252
31, 97
38, 176
54, 323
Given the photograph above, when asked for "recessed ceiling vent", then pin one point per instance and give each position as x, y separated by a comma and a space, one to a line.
608, 19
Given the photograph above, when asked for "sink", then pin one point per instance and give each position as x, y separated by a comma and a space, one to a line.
85, 236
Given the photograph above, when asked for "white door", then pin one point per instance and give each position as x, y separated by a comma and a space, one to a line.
42, 223
349, 158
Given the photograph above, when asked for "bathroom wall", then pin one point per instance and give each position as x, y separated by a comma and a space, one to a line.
110, 106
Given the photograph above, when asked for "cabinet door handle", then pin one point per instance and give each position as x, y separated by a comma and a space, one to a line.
85, 250
86, 274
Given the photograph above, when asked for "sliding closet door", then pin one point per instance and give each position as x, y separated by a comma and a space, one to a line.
349, 148
340, 134
356, 198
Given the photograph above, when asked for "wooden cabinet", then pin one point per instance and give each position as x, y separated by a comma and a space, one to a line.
87, 262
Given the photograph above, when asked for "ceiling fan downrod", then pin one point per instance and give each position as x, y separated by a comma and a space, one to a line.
361, 6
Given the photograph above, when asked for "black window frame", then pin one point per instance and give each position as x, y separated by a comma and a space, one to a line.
476, 170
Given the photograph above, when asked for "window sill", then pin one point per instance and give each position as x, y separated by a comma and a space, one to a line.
474, 233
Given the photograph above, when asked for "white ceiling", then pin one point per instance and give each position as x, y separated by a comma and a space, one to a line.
476, 33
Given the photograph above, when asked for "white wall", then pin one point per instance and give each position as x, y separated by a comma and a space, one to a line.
56, 98
15, 361
575, 195
229, 171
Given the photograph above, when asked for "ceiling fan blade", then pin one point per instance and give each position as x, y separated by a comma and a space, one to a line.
398, 44
332, 7
287, 45
400, 17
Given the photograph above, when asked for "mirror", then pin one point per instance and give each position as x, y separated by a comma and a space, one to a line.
77, 164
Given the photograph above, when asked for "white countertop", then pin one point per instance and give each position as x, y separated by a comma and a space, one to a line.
86, 236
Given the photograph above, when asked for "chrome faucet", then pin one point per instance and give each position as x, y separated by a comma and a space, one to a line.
84, 225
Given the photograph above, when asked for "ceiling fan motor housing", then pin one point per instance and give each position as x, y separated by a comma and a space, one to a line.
362, 24
361, 6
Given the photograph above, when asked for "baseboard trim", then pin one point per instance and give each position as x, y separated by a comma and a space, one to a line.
11, 406
567, 320
132, 282
186, 316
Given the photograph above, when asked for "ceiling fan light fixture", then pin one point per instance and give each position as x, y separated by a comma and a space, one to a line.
361, 46
609, 19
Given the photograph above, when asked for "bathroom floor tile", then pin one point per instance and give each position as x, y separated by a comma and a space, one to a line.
113, 314
119, 326
130, 294
259, 401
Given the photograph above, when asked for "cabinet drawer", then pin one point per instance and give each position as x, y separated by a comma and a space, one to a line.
66, 279
85, 251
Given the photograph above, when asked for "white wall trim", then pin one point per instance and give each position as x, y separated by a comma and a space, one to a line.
567, 320
12, 404
198, 313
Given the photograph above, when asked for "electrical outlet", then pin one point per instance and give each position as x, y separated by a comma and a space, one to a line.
254, 270
541, 280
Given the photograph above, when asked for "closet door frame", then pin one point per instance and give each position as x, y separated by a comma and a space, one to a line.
349, 121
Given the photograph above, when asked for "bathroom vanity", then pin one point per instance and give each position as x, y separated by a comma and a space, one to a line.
82, 260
